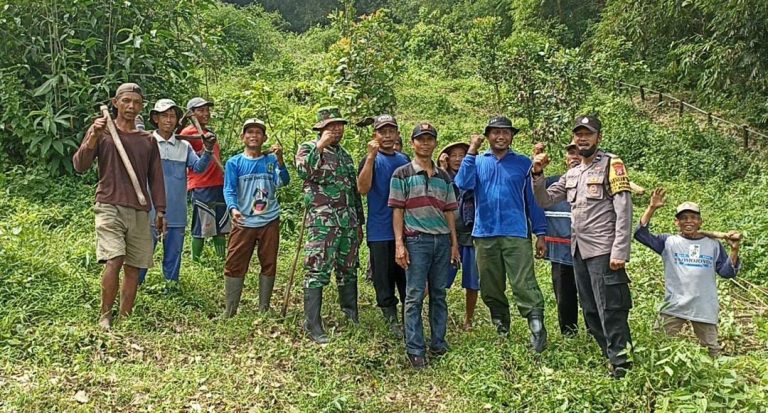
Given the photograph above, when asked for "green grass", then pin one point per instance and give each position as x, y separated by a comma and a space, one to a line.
175, 354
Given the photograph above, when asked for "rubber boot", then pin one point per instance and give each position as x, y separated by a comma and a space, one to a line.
538, 331
266, 284
348, 301
390, 315
233, 289
313, 322
197, 248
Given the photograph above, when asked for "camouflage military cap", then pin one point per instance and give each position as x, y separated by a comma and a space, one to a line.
327, 115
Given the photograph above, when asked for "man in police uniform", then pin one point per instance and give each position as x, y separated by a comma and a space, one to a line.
601, 206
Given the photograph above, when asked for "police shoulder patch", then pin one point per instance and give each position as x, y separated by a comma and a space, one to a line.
617, 176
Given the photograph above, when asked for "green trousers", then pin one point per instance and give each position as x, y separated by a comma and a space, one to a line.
502, 257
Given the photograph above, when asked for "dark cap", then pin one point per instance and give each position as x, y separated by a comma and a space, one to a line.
500, 122
129, 87
590, 122
384, 120
198, 102
424, 128
326, 115
570, 146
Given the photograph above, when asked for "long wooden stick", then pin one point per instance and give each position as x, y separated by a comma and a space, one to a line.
200, 131
299, 245
721, 235
123, 155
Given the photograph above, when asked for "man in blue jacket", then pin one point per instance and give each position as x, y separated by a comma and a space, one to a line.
558, 239
504, 206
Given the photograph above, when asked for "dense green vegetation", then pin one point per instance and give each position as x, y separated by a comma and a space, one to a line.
453, 63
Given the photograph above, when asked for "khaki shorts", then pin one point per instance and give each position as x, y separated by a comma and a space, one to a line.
123, 231
705, 332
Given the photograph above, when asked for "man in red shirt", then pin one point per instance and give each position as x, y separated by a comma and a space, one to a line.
209, 210
123, 238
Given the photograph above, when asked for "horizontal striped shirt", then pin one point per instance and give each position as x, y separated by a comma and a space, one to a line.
424, 198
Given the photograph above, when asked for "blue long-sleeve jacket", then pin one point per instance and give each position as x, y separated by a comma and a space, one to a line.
504, 202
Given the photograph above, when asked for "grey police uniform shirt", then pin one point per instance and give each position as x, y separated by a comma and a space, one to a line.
601, 221
689, 274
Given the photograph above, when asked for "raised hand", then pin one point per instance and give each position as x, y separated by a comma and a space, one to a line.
209, 141
658, 198
443, 161
540, 161
373, 148
327, 138
475, 142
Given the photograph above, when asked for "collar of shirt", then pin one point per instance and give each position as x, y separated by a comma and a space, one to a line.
596, 159
159, 138
418, 169
489, 152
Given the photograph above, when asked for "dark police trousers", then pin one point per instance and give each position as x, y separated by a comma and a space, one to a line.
605, 301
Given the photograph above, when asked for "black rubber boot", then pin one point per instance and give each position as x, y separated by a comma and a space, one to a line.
538, 331
233, 289
313, 322
266, 284
390, 315
348, 301
501, 328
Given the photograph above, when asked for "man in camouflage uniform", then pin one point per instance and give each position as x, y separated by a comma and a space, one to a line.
334, 220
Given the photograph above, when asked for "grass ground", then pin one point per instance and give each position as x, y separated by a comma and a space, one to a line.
174, 354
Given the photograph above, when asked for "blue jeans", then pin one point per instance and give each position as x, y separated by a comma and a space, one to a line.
430, 257
173, 244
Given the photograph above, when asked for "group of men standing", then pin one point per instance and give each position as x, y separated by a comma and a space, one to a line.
477, 210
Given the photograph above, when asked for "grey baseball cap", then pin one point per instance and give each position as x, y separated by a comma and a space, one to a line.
197, 102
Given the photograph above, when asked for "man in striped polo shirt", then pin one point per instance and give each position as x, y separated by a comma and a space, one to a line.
423, 203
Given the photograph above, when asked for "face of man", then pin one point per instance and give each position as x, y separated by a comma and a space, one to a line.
424, 145
165, 121
387, 136
128, 104
586, 140
500, 139
572, 158
254, 137
398, 143
203, 114
336, 129
455, 156
688, 222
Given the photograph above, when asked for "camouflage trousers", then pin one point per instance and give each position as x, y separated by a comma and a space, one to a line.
328, 249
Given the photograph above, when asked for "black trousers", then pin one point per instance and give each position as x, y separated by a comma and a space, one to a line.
387, 275
605, 301
566, 295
